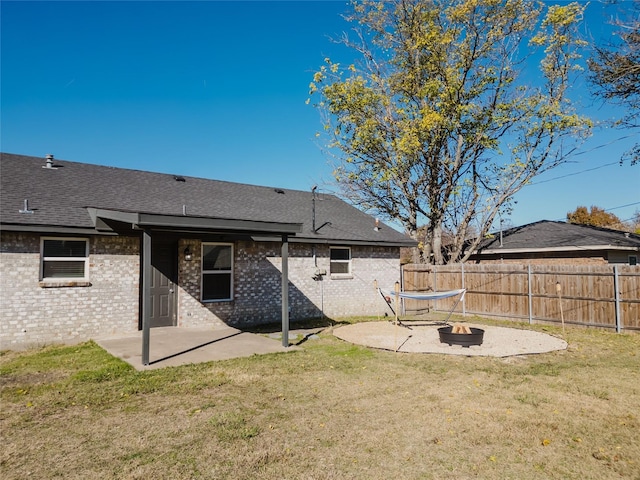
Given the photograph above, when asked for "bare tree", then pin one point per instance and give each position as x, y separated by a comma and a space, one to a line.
615, 70
437, 125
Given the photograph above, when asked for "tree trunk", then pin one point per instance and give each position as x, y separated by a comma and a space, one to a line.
436, 243
412, 229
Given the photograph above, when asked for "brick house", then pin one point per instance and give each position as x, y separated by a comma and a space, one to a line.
549, 242
89, 250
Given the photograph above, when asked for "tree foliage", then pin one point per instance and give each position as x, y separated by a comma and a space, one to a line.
615, 70
438, 124
596, 217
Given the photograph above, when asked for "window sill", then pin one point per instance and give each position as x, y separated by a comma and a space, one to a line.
345, 276
63, 283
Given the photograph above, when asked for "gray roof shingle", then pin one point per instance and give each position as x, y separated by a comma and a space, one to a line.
550, 234
60, 197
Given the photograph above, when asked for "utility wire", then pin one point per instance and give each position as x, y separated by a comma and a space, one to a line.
622, 206
588, 169
609, 209
574, 173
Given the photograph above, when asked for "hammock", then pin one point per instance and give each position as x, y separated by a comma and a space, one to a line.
425, 296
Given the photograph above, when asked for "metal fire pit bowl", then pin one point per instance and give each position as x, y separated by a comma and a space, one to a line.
465, 339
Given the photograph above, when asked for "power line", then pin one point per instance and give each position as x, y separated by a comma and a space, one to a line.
622, 206
588, 169
574, 173
624, 220
612, 208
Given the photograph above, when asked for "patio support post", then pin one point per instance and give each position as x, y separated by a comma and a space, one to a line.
285, 291
146, 295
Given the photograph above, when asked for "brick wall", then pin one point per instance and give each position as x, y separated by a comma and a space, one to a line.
257, 285
31, 315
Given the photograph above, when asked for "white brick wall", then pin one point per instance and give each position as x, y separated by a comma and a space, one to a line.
257, 285
33, 315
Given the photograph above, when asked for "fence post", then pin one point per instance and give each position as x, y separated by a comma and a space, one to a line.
464, 299
529, 294
617, 298
435, 286
435, 278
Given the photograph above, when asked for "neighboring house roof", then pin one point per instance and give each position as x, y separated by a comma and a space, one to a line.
71, 195
547, 236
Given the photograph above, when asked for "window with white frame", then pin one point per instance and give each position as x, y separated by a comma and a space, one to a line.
340, 260
217, 272
64, 258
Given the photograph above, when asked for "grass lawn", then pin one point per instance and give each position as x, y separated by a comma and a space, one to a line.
328, 411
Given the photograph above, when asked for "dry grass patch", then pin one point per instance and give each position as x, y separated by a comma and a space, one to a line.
329, 410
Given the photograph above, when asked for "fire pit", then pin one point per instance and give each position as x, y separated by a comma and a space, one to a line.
466, 336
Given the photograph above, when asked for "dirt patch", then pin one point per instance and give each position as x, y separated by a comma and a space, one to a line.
424, 338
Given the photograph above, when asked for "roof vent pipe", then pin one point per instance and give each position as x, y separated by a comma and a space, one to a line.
26, 208
49, 158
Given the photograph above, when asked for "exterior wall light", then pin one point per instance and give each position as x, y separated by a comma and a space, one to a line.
188, 256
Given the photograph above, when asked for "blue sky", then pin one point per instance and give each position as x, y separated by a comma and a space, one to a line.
218, 90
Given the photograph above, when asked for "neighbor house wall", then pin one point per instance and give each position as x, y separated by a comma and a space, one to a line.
32, 315
584, 258
549, 258
617, 256
258, 290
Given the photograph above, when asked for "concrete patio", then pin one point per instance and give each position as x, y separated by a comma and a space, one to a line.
173, 346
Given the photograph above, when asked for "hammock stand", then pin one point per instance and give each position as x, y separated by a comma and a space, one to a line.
425, 296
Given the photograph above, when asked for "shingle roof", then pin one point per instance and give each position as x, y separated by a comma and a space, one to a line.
60, 197
547, 234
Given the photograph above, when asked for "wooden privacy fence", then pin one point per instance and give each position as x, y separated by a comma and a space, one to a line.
597, 296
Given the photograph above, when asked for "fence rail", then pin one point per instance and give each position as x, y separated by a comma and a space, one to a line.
606, 296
